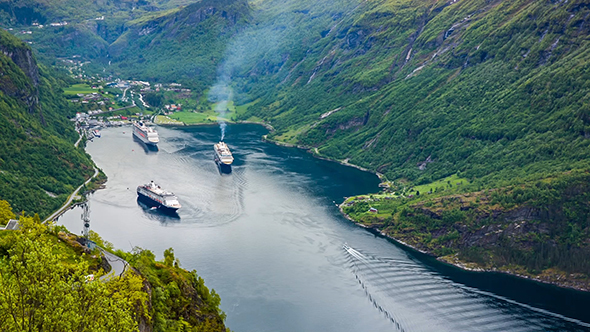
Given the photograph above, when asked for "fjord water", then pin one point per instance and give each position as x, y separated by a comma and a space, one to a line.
269, 239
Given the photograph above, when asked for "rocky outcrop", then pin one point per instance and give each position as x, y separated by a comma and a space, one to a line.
22, 56
354, 122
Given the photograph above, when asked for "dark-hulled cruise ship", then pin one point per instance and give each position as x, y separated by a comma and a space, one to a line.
157, 196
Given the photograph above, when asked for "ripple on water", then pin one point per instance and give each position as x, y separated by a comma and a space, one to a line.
268, 238
440, 303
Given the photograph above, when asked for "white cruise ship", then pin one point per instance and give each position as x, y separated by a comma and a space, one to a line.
222, 154
146, 134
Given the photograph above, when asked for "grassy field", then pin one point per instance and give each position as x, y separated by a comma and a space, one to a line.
194, 118
291, 135
210, 115
448, 182
162, 119
108, 93
449, 185
79, 88
207, 116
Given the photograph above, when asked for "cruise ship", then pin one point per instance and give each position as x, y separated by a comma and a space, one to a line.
146, 134
223, 156
153, 194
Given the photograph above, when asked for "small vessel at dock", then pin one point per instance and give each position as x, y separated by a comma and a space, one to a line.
96, 133
155, 195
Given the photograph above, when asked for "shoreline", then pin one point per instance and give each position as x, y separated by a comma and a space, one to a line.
68, 204
459, 264
205, 124
316, 154
265, 138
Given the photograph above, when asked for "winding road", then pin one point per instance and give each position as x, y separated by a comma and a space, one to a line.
71, 198
74, 194
118, 265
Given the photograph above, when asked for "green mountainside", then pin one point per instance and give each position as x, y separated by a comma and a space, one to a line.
91, 25
422, 90
491, 92
39, 165
184, 45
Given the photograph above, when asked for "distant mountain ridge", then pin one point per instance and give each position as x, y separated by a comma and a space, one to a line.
184, 45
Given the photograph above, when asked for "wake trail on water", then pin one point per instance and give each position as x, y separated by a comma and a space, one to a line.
414, 298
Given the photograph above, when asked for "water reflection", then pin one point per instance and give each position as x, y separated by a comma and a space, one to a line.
147, 148
154, 212
223, 168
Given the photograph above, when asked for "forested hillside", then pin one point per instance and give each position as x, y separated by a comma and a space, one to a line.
538, 229
83, 28
492, 92
421, 90
417, 90
39, 165
50, 281
184, 45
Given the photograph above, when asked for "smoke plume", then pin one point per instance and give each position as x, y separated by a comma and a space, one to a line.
221, 95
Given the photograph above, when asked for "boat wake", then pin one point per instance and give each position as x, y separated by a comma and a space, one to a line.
415, 298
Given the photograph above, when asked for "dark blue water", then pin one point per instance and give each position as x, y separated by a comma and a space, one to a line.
269, 239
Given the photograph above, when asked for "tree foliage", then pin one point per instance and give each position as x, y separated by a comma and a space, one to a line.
43, 290
180, 299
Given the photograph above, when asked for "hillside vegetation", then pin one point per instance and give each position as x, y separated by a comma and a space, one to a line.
422, 90
184, 45
39, 165
492, 92
538, 229
416, 90
49, 281
91, 25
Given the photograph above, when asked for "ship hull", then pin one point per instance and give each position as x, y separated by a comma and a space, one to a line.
223, 168
146, 147
154, 212
140, 136
153, 203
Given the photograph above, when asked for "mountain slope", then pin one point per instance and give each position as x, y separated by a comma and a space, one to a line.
183, 45
490, 89
39, 165
91, 25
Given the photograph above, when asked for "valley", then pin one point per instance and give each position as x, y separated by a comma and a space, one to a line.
474, 114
